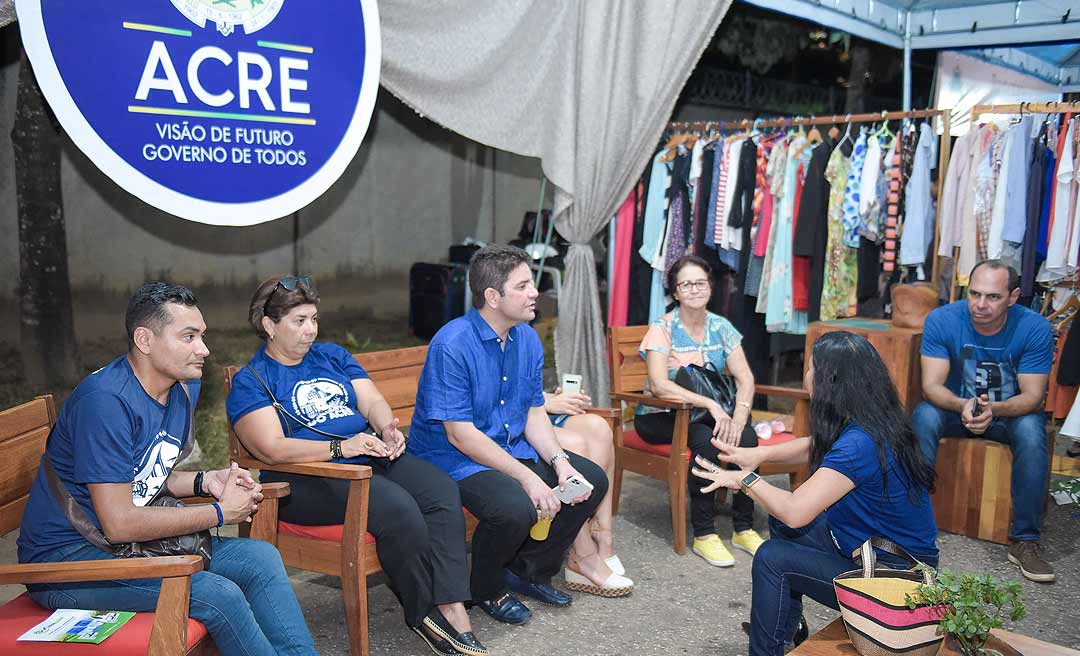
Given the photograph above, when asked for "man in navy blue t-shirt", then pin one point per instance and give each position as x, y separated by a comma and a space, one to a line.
985, 364
114, 448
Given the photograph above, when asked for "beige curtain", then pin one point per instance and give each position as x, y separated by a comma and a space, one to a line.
585, 86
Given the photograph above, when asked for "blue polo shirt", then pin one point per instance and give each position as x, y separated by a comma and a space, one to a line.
469, 377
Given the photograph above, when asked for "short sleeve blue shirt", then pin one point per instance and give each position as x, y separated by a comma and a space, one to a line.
318, 390
470, 377
988, 364
109, 431
871, 509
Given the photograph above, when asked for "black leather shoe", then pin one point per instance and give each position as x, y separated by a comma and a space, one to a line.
435, 642
506, 609
465, 643
542, 592
802, 632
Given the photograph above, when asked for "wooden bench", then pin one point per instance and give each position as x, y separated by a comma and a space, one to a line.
832, 640
669, 463
167, 631
346, 551
973, 492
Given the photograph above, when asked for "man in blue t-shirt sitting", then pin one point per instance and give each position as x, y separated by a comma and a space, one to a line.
480, 417
985, 364
114, 448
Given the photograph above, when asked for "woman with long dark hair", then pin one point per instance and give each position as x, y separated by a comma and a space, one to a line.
869, 479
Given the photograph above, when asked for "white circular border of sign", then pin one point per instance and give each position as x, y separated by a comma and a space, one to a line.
36, 43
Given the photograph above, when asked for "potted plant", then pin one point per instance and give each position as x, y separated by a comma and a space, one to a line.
973, 605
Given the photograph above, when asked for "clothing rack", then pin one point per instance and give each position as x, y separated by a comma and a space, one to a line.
1022, 108
842, 119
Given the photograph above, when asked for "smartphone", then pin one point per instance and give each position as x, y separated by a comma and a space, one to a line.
575, 487
571, 383
977, 409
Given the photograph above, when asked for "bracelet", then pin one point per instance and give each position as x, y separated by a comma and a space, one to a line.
558, 456
220, 517
745, 405
335, 450
197, 487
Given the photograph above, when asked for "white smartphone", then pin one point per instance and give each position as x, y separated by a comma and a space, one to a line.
571, 383
575, 487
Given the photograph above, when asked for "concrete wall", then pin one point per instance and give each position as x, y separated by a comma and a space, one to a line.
412, 190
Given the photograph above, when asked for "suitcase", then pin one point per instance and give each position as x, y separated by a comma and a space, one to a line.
436, 295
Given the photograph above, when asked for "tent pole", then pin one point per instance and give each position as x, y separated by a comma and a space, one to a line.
907, 62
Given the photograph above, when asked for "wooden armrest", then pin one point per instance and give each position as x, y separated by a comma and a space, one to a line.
653, 401
101, 570
604, 412
269, 490
789, 392
324, 469
276, 490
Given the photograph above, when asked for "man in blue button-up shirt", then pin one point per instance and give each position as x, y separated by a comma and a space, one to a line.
480, 416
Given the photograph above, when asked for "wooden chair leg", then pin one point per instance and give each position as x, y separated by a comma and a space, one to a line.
677, 473
169, 635
616, 483
354, 568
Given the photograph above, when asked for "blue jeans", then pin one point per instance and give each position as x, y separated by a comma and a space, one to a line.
1026, 437
245, 599
790, 564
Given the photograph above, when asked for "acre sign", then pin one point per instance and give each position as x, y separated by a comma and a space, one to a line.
229, 112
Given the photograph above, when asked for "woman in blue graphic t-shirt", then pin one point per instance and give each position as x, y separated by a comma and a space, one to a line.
330, 411
869, 479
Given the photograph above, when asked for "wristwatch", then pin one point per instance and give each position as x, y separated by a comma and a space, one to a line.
748, 480
558, 456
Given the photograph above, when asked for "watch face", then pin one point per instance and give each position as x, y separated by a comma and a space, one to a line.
749, 479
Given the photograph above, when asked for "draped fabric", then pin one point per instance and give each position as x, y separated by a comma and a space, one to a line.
587, 87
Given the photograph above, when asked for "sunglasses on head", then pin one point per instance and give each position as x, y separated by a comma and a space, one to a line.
290, 283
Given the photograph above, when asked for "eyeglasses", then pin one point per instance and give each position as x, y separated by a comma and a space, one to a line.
701, 285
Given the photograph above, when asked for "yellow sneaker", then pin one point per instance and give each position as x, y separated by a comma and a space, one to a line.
713, 551
747, 540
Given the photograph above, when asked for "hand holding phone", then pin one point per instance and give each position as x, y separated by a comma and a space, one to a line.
571, 383
976, 409
575, 487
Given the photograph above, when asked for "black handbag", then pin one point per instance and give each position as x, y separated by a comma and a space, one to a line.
192, 544
710, 383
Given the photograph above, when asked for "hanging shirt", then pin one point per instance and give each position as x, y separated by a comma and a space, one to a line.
653, 231
1016, 182
1055, 266
780, 313
838, 290
851, 192
978, 194
952, 195
919, 209
868, 178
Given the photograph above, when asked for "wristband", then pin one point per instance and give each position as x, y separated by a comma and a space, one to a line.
335, 449
558, 456
197, 487
745, 405
220, 517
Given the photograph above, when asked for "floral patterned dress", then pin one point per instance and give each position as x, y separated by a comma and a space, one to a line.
841, 273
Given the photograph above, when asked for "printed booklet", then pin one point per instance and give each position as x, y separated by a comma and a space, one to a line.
86, 626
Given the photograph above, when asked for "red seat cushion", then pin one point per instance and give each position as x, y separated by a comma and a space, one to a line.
632, 440
332, 533
21, 614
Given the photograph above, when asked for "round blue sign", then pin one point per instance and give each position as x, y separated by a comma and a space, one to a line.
229, 112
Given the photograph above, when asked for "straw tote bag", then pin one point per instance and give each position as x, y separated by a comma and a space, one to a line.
874, 607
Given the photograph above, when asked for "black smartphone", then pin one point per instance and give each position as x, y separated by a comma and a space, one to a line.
977, 410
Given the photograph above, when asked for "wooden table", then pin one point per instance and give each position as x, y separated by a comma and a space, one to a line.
833, 640
899, 348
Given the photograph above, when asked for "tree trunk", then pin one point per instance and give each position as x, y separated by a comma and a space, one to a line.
858, 80
46, 329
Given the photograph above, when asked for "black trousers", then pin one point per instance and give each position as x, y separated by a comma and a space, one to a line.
414, 512
506, 514
657, 427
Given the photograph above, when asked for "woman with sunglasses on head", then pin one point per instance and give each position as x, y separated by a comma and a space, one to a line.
330, 411
869, 479
690, 334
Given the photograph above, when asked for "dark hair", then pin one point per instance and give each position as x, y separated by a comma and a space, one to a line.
146, 307
275, 301
490, 267
682, 263
852, 386
998, 265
